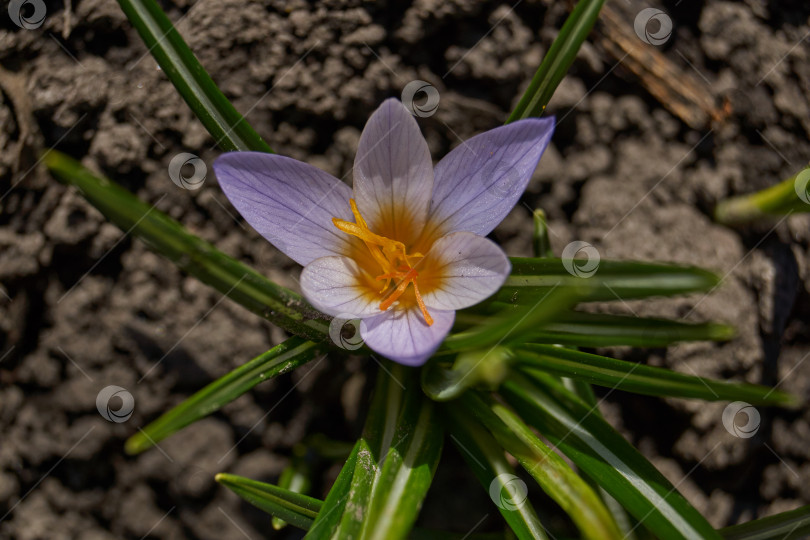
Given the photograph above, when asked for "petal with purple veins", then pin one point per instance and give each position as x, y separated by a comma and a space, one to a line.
393, 173
464, 269
337, 286
288, 202
403, 336
481, 180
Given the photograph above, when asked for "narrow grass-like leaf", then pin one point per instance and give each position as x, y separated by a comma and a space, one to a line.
393, 467
406, 475
328, 519
190, 253
600, 452
613, 280
642, 379
789, 525
786, 197
295, 477
582, 390
296, 509
513, 324
283, 358
551, 472
541, 245
581, 329
359, 496
487, 461
559, 58
228, 128
278, 501
626, 523
306, 454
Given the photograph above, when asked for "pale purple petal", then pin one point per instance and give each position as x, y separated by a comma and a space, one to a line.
288, 202
393, 173
480, 180
468, 269
336, 286
403, 336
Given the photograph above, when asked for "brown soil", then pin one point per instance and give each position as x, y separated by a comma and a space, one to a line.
83, 307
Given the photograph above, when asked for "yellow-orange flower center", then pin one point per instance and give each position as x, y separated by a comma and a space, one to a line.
392, 256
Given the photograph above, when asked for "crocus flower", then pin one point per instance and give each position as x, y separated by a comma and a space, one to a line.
405, 248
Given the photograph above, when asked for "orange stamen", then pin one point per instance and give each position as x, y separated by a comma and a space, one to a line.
401, 286
392, 257
425, 314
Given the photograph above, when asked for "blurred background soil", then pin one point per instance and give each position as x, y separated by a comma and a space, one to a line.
82, 306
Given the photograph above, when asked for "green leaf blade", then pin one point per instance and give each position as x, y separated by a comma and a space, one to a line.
405, 479
328, 519
296, 509
384, 485
228, 128
559, 58
789, 196
281, 359
579, 329
513, 324
296, 478
600, 452
613, 280
789, 525
541, 244
191, 254
642, 379
551, 472
487, 461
